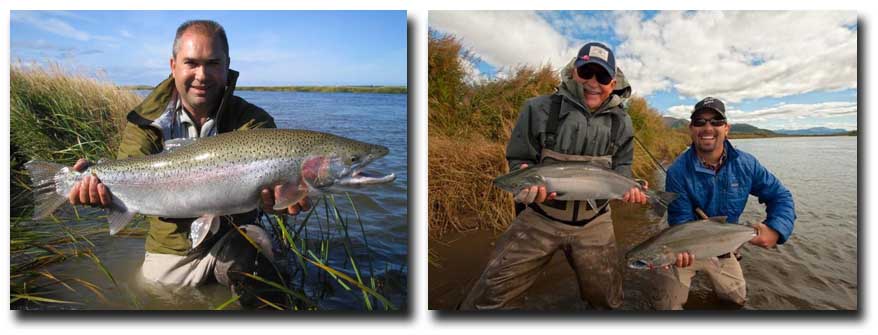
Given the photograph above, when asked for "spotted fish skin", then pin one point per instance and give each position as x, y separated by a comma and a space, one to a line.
703, 238
219, 175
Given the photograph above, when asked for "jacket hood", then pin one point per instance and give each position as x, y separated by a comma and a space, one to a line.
573, 91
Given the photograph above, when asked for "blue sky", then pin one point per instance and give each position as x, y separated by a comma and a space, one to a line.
774, 69
267, 47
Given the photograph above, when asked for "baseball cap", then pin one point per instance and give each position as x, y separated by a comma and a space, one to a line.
597, 53
712, 104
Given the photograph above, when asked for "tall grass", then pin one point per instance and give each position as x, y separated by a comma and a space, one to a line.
470, 123
60, 117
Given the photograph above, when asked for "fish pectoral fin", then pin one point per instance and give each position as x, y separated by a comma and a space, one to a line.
119, 217
202, 227
286, 195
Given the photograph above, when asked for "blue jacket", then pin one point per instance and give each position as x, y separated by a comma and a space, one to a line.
725, 193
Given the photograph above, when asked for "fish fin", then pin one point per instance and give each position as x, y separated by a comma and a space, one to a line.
119, 217
174, 144
103, 160
202, 227
43, 180
720, 219
659, 201
288, 195
262, 240
591, 203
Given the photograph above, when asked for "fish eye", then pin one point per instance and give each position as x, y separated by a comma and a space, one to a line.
355, 159
639, 264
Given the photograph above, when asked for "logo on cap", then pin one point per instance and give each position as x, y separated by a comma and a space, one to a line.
585, 58
596, 51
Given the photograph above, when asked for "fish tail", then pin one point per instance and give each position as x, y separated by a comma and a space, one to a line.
659, 202
44, 177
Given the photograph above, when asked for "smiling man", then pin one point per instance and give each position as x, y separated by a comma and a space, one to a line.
582, 121
717, 178
196, 100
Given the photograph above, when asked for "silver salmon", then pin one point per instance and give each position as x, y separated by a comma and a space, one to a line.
209, 177
580, 181
703, 238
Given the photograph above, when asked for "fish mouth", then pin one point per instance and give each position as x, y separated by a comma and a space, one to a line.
360, 177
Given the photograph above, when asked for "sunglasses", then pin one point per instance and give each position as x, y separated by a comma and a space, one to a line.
713, 122
586, 72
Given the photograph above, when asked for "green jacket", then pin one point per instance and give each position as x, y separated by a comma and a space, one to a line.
580, 131
139, 138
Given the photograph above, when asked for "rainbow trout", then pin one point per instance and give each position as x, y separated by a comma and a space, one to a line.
580, 181
209, 177
703, 238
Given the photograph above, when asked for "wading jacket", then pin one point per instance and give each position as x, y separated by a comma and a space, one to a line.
725, 193
142, 136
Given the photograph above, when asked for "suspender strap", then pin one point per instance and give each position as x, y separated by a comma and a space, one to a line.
614, 133
552, 122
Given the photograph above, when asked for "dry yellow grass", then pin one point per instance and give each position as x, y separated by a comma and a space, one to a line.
461, 195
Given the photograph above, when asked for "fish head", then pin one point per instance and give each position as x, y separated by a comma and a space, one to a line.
341, 162
516, 181
650, 258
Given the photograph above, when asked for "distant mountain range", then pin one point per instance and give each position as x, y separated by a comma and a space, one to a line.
812, 131
743, 128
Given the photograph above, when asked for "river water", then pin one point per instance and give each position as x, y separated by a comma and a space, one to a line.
382, 253
816, 269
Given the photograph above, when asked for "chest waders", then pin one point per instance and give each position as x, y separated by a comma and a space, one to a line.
569, 212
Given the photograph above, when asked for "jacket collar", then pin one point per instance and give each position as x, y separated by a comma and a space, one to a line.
730, 152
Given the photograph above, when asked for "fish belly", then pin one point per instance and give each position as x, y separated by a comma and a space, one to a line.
225, 190
582, 189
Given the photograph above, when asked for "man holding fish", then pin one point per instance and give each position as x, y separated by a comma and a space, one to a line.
714, 179
581, 127
195, 101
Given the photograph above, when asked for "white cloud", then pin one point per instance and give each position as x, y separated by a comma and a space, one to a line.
506, 39
472, 73
736, 55
679, 111
834, 114
781, 112
732, 55
49, 24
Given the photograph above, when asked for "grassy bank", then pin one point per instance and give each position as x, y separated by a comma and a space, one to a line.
470, 124
317, 89
60, 117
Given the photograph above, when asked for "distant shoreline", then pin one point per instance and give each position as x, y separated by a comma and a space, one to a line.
749, 136
317, 89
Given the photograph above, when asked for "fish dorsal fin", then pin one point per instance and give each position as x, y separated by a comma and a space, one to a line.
720, 219
171, 145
